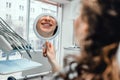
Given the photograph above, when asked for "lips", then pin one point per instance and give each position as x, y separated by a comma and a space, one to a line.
46, 24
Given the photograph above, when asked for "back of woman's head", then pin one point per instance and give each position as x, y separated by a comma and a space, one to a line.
103, 18
103, 21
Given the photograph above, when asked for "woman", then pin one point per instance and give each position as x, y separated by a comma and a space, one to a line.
97, 30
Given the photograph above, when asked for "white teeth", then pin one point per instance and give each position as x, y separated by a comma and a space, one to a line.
46, 25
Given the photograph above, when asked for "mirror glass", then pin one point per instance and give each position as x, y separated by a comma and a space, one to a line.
46, 26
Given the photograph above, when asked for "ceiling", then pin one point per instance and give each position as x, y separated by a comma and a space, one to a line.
62, 1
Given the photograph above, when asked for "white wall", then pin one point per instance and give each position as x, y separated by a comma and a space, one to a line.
67, 29
118, 54
67, 26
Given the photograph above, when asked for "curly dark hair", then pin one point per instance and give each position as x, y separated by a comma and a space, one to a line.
103, 19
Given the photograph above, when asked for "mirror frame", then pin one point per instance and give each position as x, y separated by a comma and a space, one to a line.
35, 30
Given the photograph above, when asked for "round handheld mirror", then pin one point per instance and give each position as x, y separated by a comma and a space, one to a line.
46, 26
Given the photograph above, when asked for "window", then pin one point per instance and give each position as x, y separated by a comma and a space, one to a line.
6, 16
14, 17
21, 7
21, 20
8, 4
9, 18
32, 10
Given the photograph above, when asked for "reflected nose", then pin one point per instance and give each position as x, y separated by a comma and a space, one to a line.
47, 18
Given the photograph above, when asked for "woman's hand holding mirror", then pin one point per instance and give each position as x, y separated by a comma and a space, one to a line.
46, 28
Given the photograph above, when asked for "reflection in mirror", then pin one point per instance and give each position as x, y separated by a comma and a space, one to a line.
46, 26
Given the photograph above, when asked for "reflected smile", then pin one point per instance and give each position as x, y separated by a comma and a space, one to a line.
46, 24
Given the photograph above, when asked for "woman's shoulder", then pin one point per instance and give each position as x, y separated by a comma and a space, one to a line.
68, 73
